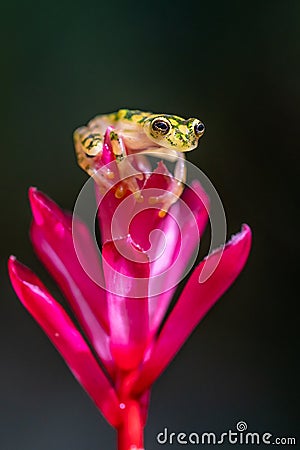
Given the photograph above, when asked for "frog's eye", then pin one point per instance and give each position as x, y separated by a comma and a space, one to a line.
199, 129
161, 126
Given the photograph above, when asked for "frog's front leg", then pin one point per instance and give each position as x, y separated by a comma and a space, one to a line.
174, 192
128, 174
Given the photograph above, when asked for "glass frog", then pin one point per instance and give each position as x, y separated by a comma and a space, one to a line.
138, 133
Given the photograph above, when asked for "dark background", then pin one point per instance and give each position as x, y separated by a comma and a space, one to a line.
236, 66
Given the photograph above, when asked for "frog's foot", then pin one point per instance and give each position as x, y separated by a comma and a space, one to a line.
104, 178
129, 176
129, 185
168, 198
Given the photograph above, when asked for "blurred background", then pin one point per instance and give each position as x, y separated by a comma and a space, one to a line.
236, 66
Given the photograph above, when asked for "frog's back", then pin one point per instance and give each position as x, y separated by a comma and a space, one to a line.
129, 115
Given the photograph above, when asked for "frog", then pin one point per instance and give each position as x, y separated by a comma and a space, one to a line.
138, 133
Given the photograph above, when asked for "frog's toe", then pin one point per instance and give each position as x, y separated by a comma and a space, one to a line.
165, 200
133, 186
129, 185
120, 191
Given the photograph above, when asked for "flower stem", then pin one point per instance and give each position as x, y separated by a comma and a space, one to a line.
131, 431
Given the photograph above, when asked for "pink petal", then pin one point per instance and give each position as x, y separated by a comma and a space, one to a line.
194, 302
66, 338
169, 241
51, 235
174, 237
191, 214
132, 217
107, 155
126, 272
183, 227
147, 220
107, 207
145, 217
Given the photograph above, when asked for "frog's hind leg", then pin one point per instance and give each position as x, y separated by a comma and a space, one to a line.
88, 145
88, 149
177, 185
89, 142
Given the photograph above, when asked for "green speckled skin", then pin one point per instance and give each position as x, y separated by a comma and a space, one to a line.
181, 136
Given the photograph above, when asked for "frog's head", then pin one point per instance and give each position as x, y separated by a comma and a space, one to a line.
173, 132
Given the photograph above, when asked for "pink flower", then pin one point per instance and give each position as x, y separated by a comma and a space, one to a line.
120, 315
